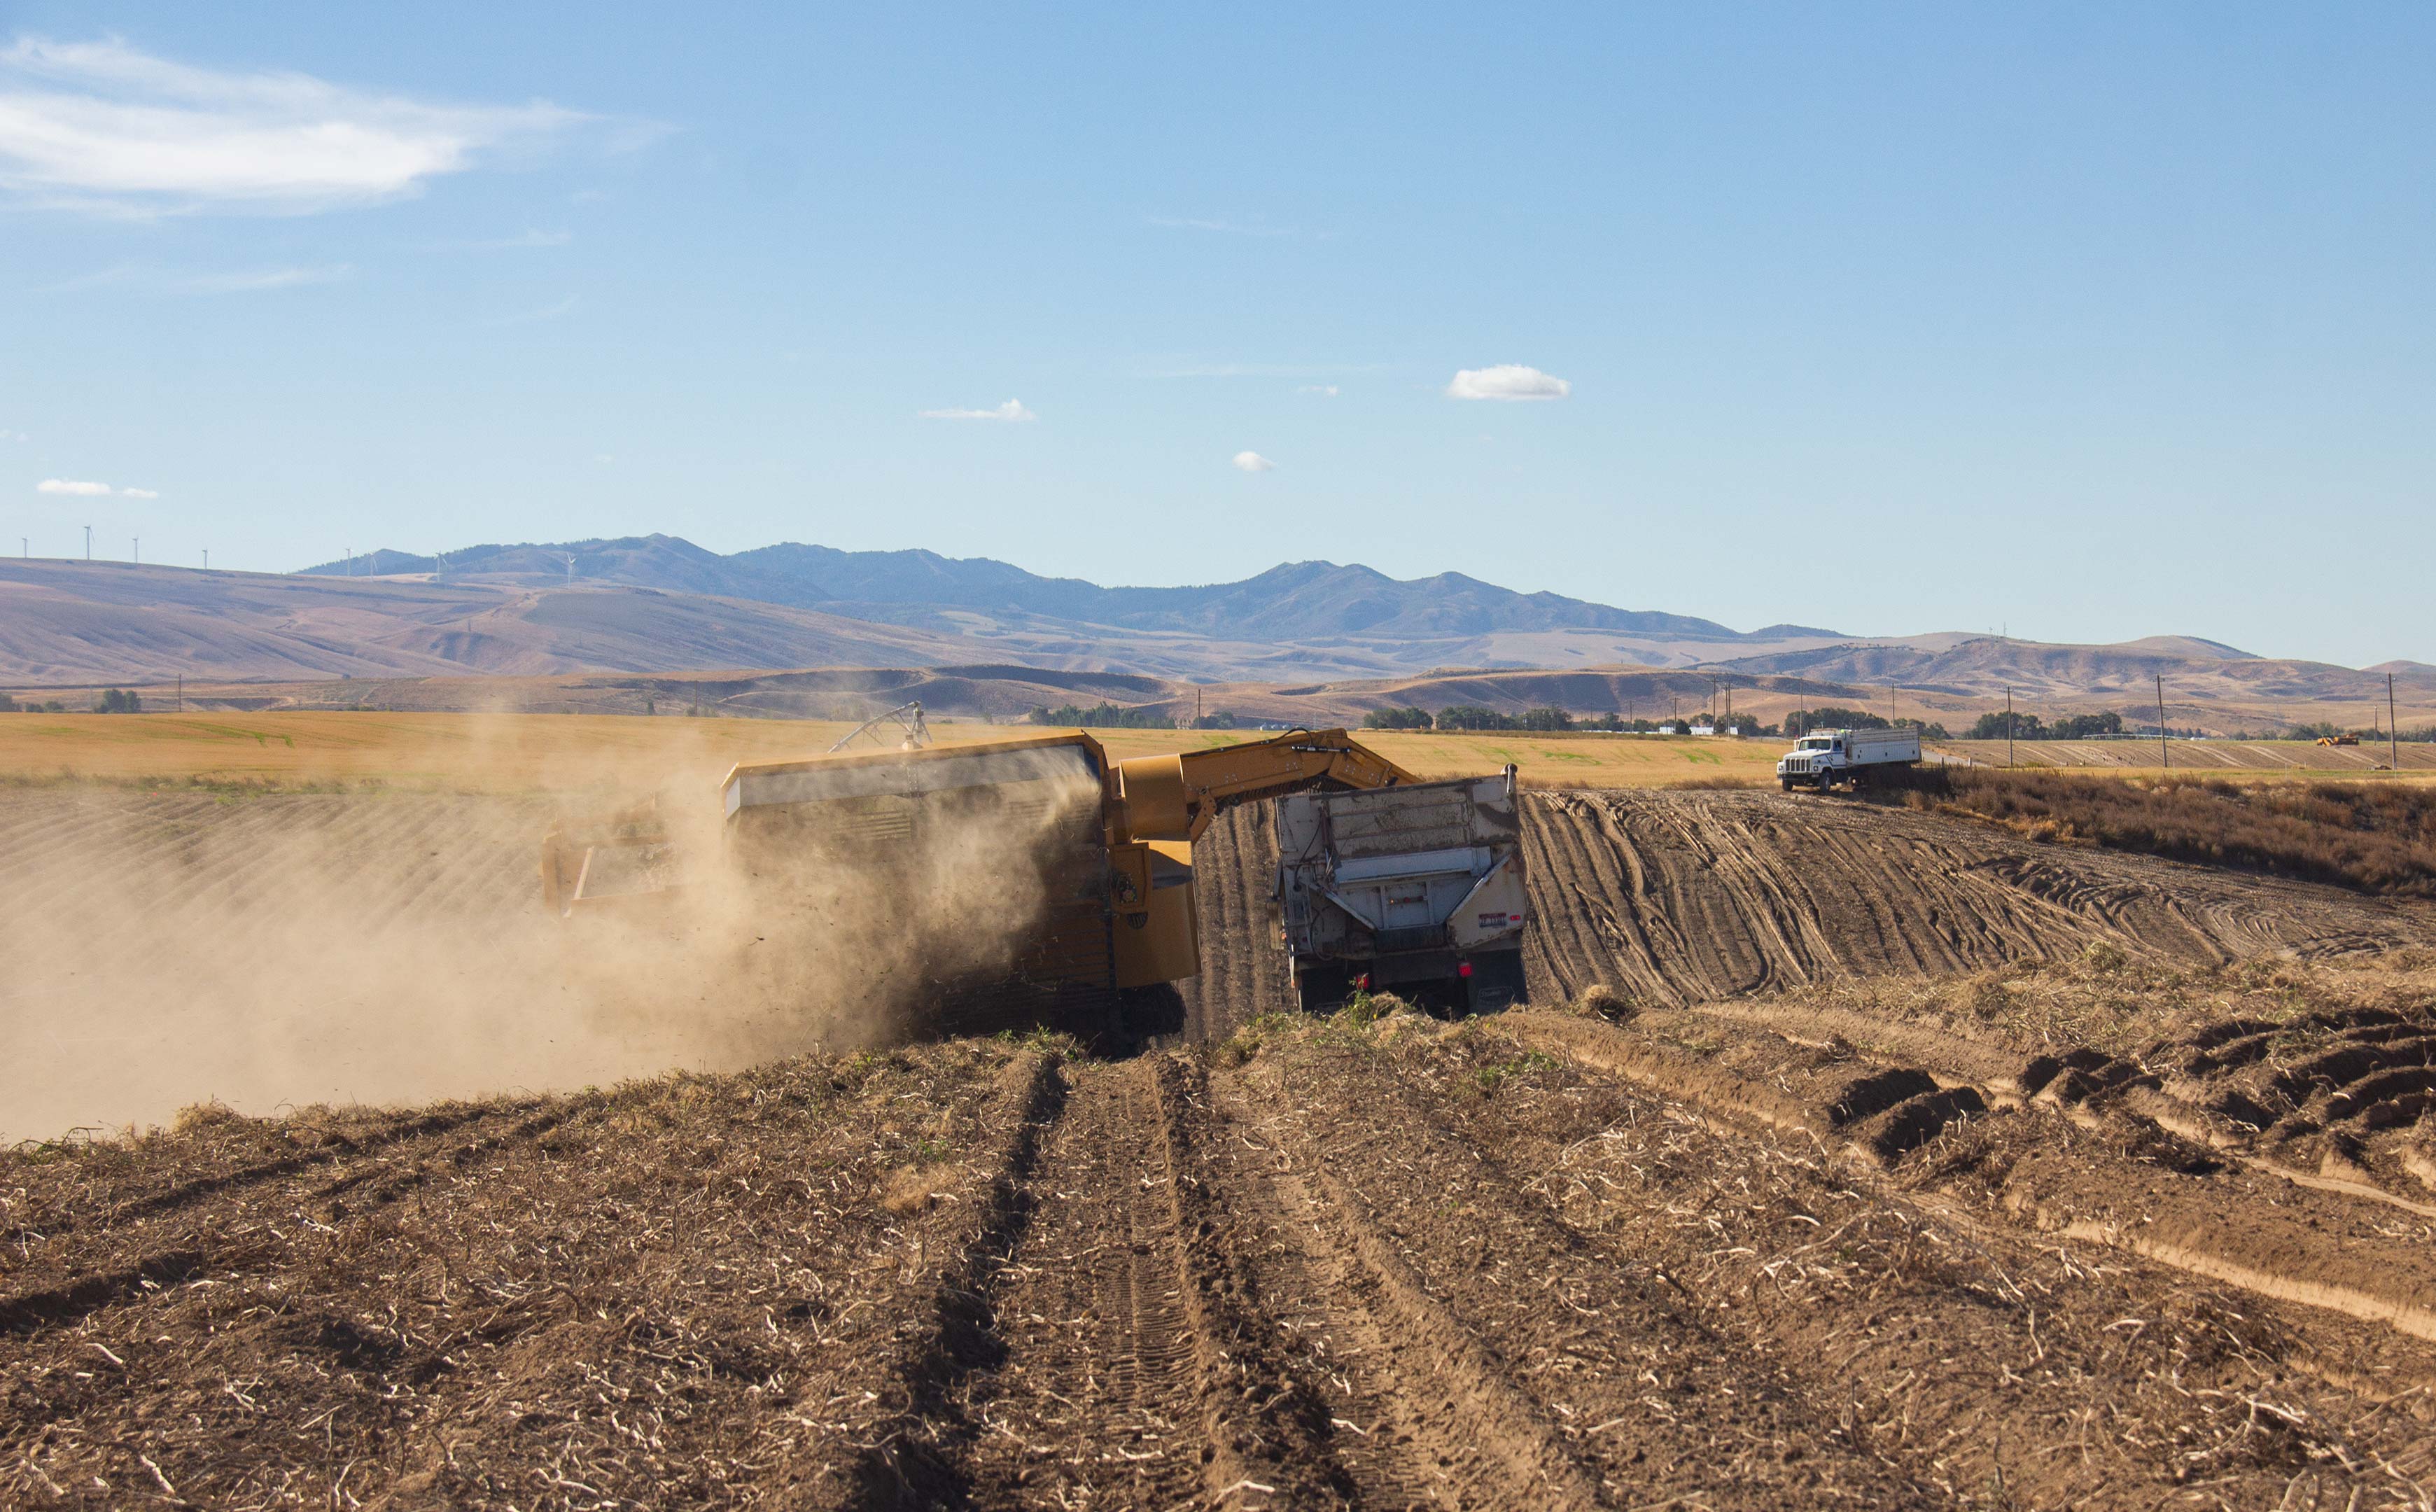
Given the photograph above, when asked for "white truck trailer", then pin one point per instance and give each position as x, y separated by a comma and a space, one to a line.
1416, 888
1826, 757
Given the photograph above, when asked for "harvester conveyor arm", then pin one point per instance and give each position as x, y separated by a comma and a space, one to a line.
1175, 797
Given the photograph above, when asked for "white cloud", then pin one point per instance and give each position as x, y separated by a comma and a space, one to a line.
1012, 410
1509, 380
81, 488
100, 127
1252, 461
1325, 390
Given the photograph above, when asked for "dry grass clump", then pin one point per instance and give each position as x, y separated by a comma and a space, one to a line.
2374, 836
1599, 1000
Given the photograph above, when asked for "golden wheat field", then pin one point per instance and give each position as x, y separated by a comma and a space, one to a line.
499, 752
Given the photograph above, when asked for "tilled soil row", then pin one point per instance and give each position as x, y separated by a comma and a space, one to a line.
685, 1290
1688, 898
1900, 1336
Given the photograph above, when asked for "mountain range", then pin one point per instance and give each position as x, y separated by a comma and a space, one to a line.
1296, 601
797, 627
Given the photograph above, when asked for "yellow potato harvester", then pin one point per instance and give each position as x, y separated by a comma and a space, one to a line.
1111, 840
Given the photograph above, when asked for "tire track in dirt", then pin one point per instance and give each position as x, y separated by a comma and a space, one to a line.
1133, 1362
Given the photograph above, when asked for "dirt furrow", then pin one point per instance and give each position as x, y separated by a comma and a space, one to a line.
1084, 1396
1601, 1364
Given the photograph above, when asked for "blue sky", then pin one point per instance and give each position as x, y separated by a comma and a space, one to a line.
2088, 321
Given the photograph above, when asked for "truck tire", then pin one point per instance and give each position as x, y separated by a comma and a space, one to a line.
1323, 989
1786, 783
1496, 982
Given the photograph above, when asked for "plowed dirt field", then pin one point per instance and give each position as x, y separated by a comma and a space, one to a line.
1893, 1163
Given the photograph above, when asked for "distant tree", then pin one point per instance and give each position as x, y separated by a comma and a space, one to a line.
1548, 717
54, 706
1104, 716
1394, 719
1801, 721
8, 705
2085, 726
2024, 727
1222, 720
1471, 717
118, 701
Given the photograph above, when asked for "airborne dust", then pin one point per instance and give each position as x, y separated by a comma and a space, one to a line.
284, 949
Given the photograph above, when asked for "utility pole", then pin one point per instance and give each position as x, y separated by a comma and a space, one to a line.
137, 549
2163, 754
207, 559
88, 542
1890, 705
2009, 729
2393, 728
181, 692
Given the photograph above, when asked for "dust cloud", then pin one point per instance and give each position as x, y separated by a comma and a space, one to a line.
276, 950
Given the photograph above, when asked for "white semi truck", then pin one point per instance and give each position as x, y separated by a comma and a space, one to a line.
1826, 757
1418, 888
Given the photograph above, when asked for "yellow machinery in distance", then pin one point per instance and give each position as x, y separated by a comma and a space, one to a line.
1108, 842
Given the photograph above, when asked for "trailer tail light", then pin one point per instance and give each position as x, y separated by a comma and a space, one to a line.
1463, 969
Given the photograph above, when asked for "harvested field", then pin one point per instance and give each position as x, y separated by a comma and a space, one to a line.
2379, 836
1887, 1159
526, 752
1536, 1261
2250, 759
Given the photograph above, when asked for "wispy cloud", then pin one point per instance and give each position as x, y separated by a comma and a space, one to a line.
547, 312
137, 493
1509, 380
1325, 390
1252, 461
1012, 410
136, 278
1263, 370
261, 279
518, 243
1230, 228
76, 486
14, 436
98, 125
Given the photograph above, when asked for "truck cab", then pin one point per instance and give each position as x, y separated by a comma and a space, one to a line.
1823, 759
